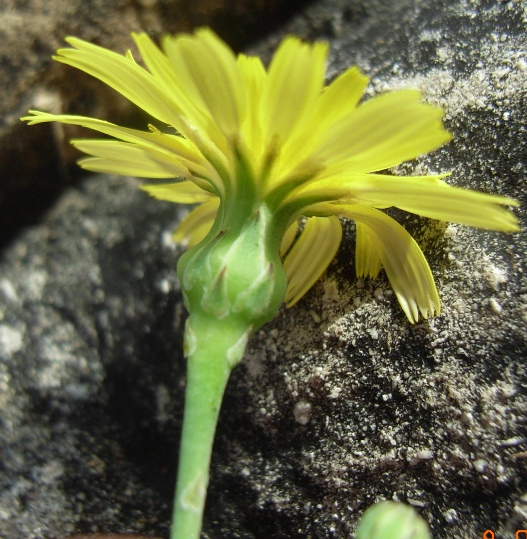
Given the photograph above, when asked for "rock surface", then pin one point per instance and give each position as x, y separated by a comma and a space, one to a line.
339, 402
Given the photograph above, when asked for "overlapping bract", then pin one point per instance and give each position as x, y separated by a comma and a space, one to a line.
312, 151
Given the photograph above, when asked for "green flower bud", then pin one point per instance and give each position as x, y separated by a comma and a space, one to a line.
237, 275
392, 520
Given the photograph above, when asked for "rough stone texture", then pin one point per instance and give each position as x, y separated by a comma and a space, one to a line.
339, 402
86, 302
32, 161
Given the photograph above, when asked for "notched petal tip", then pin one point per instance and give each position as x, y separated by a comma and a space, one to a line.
405, 265
311, 255
31, 118
367, 260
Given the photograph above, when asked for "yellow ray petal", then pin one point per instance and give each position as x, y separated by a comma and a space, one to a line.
186, 192
174, 82
338, 100
404, 263
311, 255
367, 260
123, 75
208, 67
428, 196
116, 157
384, 132
180, 149
196, 225
436, 200
341, 188
288, 239
254, 78
341, 97
295, 80
149, 93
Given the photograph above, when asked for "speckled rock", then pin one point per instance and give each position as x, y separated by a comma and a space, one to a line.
339, 402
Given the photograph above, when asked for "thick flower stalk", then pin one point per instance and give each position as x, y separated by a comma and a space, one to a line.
259, 149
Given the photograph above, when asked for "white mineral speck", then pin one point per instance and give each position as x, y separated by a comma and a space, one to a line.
335, 392
480, 465
450, 515
424, 454
495, 276
162, 402
164, 286
416, 503
379, 294
167, 241
495, 306
302, 412
11, 340
512, 442
450, 231
8, 290
35, 284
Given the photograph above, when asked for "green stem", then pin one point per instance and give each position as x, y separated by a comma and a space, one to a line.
232, 282
213, 347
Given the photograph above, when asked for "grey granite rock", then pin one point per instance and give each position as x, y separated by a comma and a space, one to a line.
339, 402
88, 307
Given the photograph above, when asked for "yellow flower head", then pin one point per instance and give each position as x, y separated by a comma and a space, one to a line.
240, 139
